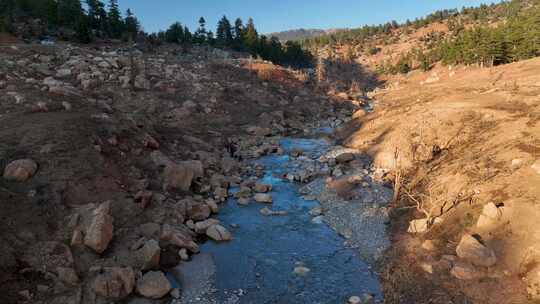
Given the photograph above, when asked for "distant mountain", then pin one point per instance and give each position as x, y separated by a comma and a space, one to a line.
300, 34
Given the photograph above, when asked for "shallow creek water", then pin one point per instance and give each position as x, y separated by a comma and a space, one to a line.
257, 266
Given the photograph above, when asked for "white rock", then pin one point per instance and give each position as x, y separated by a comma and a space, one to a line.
218, 233
263, 198
472, 250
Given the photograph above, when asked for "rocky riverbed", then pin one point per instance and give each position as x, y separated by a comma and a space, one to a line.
297, 238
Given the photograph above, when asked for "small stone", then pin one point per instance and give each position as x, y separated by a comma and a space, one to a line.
115, 282
268, 212
427, 267
67, 106
175, 293
316, 211
77, 238
262, 188
183, 254
428, 245
199, 212
150, 255
263, 198
154, 285
100, 231
317, 220
20, 170
218, 233
201, 227
536, 167
67, 275
213, 205
421, 225
301, 270
355, 300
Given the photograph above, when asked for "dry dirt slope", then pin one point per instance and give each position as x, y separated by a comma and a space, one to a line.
463, 138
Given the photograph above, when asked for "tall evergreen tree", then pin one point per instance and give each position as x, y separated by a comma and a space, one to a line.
238, 35
70, 12
251, 37
114, 20
224, 32
97, 16
132, 25
175, 33
201, 34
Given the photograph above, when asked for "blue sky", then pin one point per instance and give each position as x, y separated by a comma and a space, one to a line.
277, 15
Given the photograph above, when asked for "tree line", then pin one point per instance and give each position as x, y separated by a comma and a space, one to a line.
68, 18
93, 19
239, 37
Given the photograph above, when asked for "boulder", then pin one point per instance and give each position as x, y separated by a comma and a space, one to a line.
345, 157
178, 238
263, 198
115, 282
201, 227
199, 212
149, 255
20, 170
100, 231
218, 233
153, 285
491, 216
180, 176
262, 188
471, 249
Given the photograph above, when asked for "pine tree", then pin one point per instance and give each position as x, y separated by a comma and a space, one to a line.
97, 16
114, 20
188, 37
132, 25
201, 34
238, 35
70, 12
224, 32
251, 36
175, 33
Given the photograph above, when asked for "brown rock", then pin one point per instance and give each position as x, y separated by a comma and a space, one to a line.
178, 238
262, 188
153, 285
180, 176
345, 157
150, 142
100, 231
144, 198
198, 212
115, 283
149, 255
20, 170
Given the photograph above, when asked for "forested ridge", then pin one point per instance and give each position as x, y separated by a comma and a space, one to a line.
91, 20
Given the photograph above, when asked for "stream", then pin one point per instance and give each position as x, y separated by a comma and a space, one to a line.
287, 258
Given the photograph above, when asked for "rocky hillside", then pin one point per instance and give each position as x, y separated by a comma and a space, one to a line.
299, 34
113, 160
